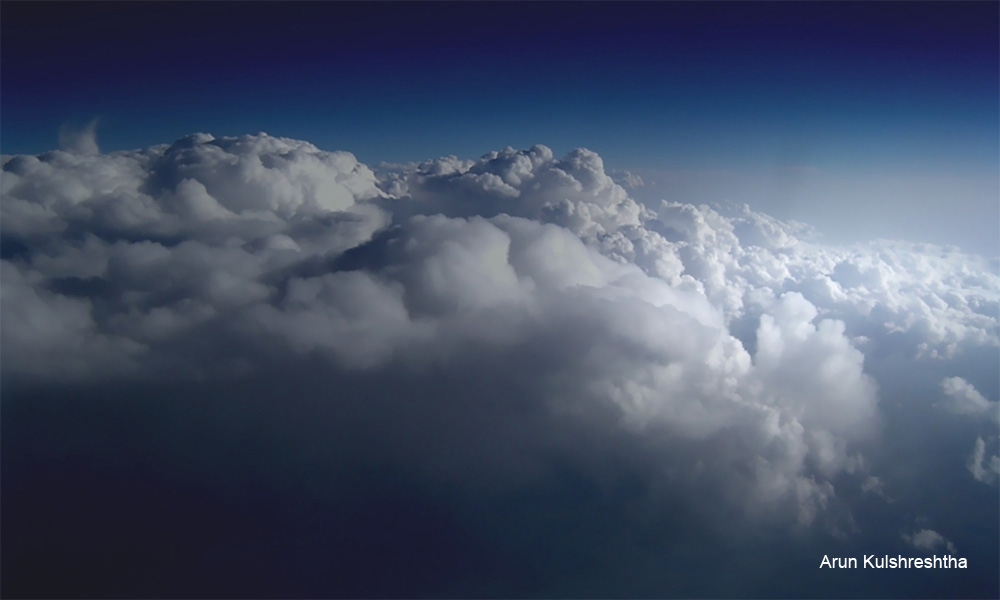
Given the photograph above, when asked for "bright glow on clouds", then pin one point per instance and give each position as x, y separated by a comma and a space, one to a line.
713, 352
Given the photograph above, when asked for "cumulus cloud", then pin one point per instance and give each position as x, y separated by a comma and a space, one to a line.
935, 301
516, 324
965, 399
929, 540
141, 245
275, 237
628, 179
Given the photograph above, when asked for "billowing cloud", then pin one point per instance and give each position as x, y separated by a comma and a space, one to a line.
965, 399
496, 332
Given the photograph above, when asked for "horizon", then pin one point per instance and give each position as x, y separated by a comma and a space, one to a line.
511, 300
808, 111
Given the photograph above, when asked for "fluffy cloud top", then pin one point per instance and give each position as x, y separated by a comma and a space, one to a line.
490, 325
965, 399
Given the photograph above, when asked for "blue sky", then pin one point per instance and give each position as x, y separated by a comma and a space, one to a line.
647, 85
892, 105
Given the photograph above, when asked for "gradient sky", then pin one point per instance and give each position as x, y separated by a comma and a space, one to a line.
689, 84
894, 103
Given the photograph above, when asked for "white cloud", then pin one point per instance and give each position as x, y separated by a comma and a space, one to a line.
929, 540
712, 350
199, 187
964, 399
983, 468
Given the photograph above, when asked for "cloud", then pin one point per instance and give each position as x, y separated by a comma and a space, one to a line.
79, 141
928, 539
983, 468
628, 179
273, 237
513, 342
964, 399
873, 485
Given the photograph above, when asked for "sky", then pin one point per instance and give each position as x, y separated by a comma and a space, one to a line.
524, 299
681, 84
866, 94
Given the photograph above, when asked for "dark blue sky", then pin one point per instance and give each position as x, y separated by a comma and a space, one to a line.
647, 85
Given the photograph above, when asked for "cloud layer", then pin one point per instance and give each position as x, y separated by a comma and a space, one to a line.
511, 329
